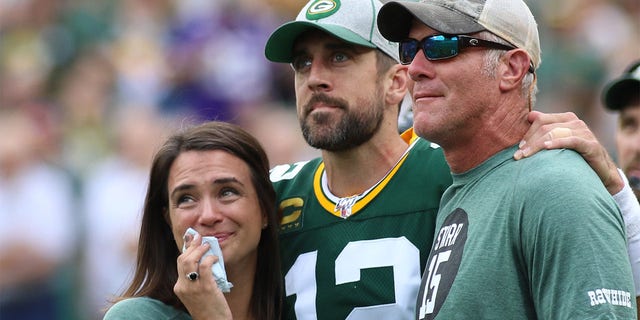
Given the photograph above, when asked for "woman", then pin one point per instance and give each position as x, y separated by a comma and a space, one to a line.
213, 178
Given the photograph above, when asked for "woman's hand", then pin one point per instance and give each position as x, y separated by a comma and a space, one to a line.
201, 296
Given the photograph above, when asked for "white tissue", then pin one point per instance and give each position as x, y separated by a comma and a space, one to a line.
217, 268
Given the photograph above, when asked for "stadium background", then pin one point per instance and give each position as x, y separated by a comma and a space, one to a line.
99, 84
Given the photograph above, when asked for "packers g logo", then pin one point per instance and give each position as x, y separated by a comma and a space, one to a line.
322, 8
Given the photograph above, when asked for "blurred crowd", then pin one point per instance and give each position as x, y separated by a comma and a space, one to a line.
89, 88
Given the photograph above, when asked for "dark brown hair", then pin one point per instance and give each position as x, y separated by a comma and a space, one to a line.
383, 62
156, 270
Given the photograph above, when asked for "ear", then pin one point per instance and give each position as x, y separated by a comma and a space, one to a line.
265, 221
399, 82
514, 68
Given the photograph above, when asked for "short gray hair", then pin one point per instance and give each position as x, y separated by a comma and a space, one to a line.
492, 57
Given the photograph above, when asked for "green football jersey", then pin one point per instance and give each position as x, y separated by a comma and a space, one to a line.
359, 257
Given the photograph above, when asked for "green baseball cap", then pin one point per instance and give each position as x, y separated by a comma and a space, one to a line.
353, 21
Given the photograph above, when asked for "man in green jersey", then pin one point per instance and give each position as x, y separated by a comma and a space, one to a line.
538, 238
358, 222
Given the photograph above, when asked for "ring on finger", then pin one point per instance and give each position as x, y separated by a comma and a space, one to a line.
193, 276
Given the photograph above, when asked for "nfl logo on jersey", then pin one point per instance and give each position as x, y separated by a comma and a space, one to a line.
344, 206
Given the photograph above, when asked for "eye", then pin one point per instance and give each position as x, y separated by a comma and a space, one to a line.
301, 63
628, 125
228, 192
340, 57
228, 195
184, 200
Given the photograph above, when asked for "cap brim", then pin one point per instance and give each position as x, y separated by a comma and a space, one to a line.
279, 47
618, 94
395, 18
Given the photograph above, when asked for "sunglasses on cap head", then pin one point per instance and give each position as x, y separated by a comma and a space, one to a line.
443, 46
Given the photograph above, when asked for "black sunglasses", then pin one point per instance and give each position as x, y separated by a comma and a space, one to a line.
443, 46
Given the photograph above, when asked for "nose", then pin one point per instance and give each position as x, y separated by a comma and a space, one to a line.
318, 79
420, 67
211, 213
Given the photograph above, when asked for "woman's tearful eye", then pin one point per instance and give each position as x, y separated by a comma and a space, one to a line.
229, 194
184, 201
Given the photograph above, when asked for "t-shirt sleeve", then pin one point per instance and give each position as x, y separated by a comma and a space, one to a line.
574, 245
143, 308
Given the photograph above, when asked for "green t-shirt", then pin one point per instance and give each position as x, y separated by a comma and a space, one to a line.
363, 260
144, 308
535, 238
